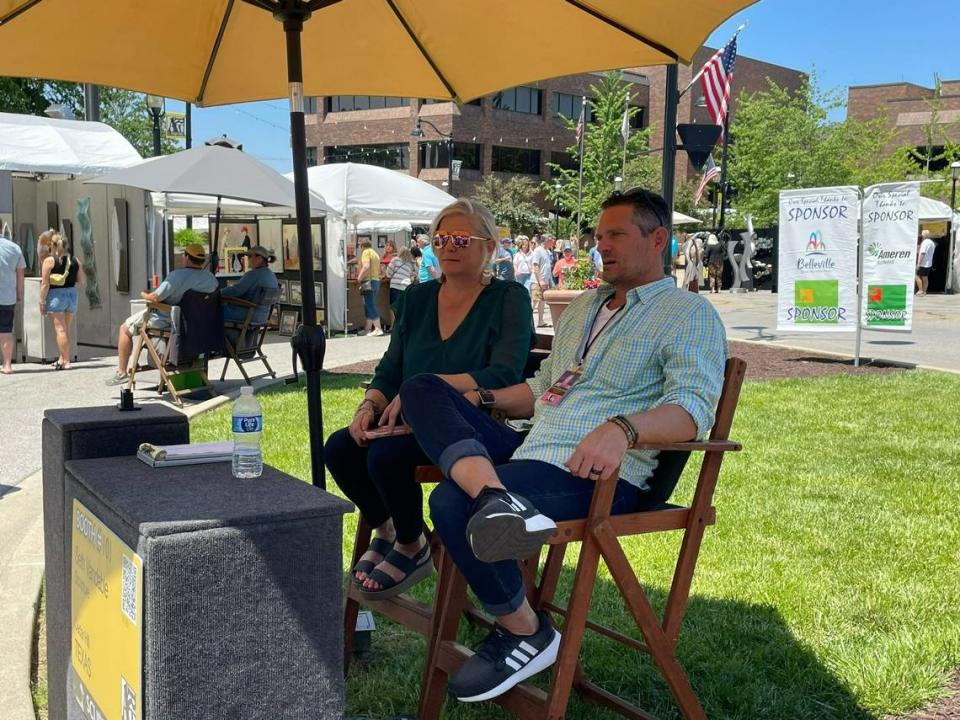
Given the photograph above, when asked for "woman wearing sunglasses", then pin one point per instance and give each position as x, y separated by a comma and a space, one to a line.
467, 329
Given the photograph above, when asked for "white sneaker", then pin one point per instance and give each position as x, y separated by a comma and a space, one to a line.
376, 333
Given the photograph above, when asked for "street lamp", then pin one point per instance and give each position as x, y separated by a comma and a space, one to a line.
954, 175
556, 208
417, 132
618, 183
155, 105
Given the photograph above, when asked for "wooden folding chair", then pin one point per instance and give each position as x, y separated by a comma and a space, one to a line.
598, 534
243, 340
195, 332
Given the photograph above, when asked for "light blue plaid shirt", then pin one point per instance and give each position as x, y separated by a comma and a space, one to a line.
665, 347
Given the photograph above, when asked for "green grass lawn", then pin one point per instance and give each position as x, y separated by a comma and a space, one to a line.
829, 587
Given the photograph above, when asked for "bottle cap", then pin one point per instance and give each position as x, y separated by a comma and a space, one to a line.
246, 390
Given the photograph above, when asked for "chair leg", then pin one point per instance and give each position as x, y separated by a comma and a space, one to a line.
550, 575
263, 359
352, 607
449, 603
226, 364
136, 361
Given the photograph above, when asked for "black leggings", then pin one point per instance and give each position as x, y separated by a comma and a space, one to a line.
380, 479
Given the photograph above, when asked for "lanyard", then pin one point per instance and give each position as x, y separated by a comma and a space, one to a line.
587, 341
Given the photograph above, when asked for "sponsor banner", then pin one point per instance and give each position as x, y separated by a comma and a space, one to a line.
818, 259
106, 613
175, 125
890, 229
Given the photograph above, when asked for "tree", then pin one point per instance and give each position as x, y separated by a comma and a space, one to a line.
602, 152
512, 202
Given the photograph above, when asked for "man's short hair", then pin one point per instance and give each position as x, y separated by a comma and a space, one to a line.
650, 210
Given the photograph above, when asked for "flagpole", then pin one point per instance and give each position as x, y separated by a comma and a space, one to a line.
626, 135
583, 136
723, 165
700, 72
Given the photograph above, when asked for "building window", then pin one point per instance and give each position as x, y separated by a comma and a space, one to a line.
569, 106
347, 103
427, 101
310, 105
434, 154
311, 156
565, 160
636, 120
519, 99
515, 160
394, 156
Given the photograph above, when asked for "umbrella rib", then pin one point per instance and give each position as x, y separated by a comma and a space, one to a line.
624, 29
214, 51
18, 11
263, 5
422, 49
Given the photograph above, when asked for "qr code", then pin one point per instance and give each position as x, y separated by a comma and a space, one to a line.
128, 700
128, 596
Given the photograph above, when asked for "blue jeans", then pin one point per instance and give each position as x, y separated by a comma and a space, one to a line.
449, 428
370, 311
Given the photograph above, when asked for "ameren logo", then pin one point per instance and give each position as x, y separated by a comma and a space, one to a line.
884, 257
816, 258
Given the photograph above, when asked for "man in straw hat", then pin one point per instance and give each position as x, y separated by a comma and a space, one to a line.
192, 276
248, 287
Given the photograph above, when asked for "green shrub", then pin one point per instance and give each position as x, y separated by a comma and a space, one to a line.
188, 236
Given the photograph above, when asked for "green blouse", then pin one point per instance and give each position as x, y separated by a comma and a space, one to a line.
491, 343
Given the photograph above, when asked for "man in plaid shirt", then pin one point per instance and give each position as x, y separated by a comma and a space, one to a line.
636, 361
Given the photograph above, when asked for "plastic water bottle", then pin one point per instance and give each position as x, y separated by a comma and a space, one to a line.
247, 429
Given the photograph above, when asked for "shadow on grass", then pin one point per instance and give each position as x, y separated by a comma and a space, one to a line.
741, 658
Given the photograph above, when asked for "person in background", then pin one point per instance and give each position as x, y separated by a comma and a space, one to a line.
402, 273
542, 275
258, 276
595, 258
566, 262
713, 255
192, 276
503, 260
389, 252
369, 280
59, 300
429, 265
465, 330
924, 262
12, 269
522, 268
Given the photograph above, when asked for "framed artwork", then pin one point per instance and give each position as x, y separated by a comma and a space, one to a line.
317, 241
271, 237
273, 319
291, 253
295, 294
362, 239
121, 245
284, 291
321, 317
318, 292
236, 235
381, 242
288, 322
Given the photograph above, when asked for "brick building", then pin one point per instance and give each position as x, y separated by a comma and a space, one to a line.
516, 131
910, 109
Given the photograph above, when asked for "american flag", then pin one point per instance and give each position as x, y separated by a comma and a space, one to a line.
709, 174
716, 78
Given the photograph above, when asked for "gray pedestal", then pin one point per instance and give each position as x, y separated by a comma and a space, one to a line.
73, 435
242, 608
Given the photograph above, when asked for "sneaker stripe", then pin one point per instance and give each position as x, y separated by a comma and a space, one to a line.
528, 648
524, 658
516, 504
512, 663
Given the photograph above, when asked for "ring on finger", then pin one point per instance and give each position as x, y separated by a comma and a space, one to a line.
596, 471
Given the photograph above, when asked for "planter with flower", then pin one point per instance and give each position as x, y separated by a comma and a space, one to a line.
573, 280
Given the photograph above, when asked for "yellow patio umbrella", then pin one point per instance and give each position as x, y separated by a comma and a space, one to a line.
214, 52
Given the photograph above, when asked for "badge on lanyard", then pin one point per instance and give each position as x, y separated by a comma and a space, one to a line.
556, 392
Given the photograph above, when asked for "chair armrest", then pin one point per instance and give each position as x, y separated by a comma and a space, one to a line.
162, 307
236, 301
694, 446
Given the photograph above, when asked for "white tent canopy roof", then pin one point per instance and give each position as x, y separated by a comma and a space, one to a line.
931, 209
366, 192
32, 144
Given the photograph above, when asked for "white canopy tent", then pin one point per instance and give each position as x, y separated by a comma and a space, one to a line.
369, 198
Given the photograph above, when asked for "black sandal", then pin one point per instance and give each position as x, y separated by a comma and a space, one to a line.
377, 545
414, 570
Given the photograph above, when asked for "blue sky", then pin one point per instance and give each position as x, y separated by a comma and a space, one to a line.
847, 42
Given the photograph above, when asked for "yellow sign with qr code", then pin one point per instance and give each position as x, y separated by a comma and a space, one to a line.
106, 581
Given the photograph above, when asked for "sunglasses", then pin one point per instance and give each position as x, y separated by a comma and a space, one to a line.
440, 240
643, 196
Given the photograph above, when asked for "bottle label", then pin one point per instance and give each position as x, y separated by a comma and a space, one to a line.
247, 423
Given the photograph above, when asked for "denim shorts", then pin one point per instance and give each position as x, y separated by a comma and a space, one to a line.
370, 301
62, 300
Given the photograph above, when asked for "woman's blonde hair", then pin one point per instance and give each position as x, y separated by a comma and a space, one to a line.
405, 255
483, 225
52, 240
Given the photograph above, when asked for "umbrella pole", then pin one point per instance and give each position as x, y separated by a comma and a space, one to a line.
309, 341
214, 241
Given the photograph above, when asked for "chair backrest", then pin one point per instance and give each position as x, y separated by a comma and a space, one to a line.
265, 299
201, 325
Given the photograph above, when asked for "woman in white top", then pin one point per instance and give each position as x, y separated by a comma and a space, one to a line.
402, 272
521, 261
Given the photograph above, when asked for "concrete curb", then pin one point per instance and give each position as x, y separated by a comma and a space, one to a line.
21, 514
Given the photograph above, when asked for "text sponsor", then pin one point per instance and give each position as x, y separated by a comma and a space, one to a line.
816, 302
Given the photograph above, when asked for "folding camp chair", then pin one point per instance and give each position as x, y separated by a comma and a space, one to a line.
243, 340
184, 348
598, 534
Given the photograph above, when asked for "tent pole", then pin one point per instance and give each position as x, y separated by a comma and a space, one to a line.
214, 241
309, 341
